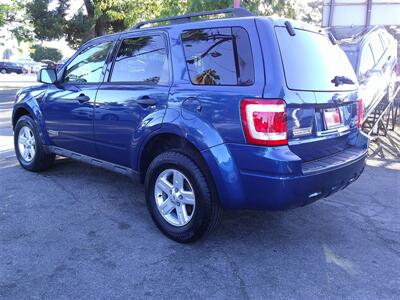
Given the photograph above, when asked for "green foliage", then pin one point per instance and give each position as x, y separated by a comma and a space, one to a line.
202, 5
40, 53
99, 17
78, 29
284, 8
312, 13
4, 10
48, 24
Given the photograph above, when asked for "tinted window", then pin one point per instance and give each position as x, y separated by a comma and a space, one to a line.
219, 56
311, 61
141, 59
87, 66
352, 56
367, 60
377, 47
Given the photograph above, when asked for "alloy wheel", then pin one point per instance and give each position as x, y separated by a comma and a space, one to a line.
26, 144
175, 198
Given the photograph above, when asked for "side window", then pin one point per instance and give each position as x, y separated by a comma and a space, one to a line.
87, 66
218, 56
143, 60
383, 39
377, 47
367, 59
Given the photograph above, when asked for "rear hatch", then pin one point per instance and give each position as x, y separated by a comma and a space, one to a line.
320, 92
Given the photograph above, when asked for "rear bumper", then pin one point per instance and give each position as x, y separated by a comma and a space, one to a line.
276, 179
274, 193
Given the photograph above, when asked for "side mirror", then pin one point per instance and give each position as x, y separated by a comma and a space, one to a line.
47, 76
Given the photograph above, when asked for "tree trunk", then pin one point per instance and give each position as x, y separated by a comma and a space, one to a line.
89, 8
101, 26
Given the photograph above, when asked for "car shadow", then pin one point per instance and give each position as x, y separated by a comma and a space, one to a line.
238, 226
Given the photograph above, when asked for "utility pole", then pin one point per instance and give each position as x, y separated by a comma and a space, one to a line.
236, 3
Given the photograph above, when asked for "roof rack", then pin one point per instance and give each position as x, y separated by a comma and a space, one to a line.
236, 12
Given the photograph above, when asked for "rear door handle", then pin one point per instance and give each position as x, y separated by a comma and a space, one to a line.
146, 101
82, 98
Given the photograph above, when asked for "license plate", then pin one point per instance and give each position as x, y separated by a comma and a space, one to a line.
332, 118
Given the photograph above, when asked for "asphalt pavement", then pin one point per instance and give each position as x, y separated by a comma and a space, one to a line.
79, 232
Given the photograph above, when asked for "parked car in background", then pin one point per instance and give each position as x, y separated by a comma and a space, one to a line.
372, 52
10, 67
27, 63
209, 114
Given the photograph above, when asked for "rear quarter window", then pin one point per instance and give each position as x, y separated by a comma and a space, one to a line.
367, 59
311, 61
218, 56
377, 47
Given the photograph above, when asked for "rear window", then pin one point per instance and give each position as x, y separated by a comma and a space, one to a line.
352, 56
311, 61
218, 56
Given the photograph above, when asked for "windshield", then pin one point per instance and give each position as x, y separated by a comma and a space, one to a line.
311, 62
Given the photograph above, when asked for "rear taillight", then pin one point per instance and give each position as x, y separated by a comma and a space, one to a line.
360, 112
264, 121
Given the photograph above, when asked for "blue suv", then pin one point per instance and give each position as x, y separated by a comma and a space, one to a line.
236, 112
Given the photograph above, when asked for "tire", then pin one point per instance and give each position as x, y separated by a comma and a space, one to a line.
26, 135
3, 71
203, 216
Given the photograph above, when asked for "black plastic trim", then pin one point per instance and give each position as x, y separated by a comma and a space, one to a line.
95, 162
334, 161
236, 12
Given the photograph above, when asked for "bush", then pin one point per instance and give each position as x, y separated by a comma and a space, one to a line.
40, 53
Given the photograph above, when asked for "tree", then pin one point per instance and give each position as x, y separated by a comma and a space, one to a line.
99, 17
4, 10
312, 12
48, 24
40, 53
78, 29
284, 8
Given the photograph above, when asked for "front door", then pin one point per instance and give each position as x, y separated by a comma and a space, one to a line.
137, 88
68, 105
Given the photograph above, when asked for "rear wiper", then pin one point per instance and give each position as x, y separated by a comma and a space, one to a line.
338, 80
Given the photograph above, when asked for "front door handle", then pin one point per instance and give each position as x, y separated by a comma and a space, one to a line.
146, 101
82, 98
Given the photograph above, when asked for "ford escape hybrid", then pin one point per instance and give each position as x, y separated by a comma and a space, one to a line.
235, 112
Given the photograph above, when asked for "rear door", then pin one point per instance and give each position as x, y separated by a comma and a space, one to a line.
68, 106
137, 86
215, 67
320, 92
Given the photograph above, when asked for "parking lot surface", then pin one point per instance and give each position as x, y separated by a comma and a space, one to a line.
79, 232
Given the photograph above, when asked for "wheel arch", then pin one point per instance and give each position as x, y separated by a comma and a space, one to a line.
164, 141
18, 113
33, 111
